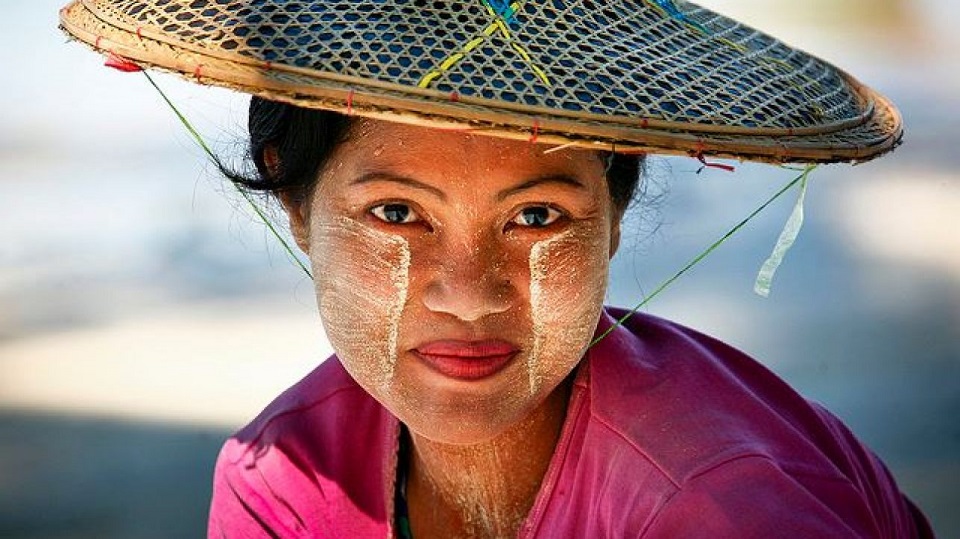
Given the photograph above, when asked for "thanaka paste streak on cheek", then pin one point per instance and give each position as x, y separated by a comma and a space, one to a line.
362, 282
568, 278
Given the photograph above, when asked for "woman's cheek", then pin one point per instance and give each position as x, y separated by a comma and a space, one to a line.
362, 279
568, 281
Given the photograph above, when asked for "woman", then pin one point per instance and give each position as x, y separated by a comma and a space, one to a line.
452, 172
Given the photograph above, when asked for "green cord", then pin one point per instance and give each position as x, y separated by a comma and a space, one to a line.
216, 160
697, 259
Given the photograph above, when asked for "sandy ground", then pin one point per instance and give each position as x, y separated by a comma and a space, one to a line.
210, 365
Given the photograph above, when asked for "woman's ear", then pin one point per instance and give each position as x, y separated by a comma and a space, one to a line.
298, 213
294, 202
615, 231
615, 236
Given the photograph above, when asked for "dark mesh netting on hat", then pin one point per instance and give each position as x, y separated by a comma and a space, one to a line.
632, 64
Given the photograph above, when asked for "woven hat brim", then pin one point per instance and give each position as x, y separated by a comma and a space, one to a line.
874, 132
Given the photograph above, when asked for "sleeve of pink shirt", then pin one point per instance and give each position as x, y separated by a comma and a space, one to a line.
751, 498
242, 507
313, 464
754, 497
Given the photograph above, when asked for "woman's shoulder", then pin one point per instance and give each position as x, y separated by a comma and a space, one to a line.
691, 402
707, 421
322, 412
322, 443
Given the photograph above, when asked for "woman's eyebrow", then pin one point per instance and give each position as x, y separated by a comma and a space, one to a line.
403, 180
501, 196
529, 184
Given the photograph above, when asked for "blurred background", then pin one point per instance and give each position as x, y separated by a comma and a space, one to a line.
145, 314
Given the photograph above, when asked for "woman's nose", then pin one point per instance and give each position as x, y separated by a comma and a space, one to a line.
469, 281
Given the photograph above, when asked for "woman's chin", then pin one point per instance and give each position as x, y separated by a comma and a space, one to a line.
458, 411
456, 433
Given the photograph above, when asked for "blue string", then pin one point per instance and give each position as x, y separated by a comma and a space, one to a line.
670, 7
502, 9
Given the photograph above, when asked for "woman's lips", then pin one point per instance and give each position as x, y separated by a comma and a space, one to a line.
467, 360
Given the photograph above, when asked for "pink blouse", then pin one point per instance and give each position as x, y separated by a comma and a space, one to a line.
669, 433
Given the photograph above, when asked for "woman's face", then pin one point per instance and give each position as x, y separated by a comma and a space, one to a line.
459, 278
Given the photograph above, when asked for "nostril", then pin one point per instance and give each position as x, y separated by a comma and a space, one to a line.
466, 297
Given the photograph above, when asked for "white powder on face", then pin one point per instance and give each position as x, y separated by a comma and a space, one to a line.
362, 281
489, 486
475, 485
568, 280
537, 276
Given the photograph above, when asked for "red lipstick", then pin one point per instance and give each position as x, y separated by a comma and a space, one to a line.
467, 360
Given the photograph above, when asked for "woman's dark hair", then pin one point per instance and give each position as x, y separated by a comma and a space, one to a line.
305, 138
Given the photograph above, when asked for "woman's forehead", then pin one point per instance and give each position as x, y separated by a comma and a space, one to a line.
396, 142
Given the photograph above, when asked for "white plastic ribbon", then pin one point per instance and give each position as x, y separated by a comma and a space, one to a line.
786, 240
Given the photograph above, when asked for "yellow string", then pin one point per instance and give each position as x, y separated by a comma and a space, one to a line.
499, 25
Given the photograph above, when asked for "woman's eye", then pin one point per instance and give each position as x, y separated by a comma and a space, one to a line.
537, 216
399, 214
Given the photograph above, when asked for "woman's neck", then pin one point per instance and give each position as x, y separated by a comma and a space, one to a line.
486, 489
